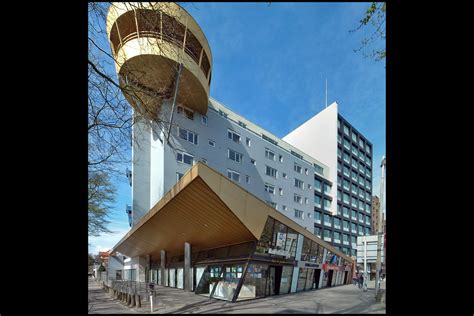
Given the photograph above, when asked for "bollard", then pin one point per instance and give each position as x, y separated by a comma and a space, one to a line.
151, 302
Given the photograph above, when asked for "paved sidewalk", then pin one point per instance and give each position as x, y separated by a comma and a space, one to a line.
342, 299
100, 301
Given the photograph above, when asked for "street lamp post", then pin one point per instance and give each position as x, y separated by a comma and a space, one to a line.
380, 230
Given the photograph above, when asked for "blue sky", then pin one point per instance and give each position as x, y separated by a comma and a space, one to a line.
269, 65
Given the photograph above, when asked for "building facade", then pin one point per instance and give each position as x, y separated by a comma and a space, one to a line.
332, 140
219, 205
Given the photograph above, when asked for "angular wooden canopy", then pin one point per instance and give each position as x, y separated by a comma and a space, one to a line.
208, 210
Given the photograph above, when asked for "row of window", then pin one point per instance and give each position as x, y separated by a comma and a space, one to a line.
357, 152
357, 190
333, 236
326, 186
326, 202
356, 138
336, 222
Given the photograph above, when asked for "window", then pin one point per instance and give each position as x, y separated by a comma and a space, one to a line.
345, 184
327, 189
233, 175
361, 155
346, 157
354, 137
204, 161
186, 112
188, 135
367, 148
361, 193
185, 158
280, 158
297, 168
338, 167
280, 191
317, 185
346, 171
297, 198
269, 188
337, 237
345, 239
204, 120
269, 171
354, 189
354, 215
361, 230
354, 175
317, 200
367, 208
367, 160
233, 136
346, 130
361, 180
318, 169
347, 143
285, 176
361, 167
309, 186
317, 231
327, 220
353, 229
361, 218
361, 205
367, 184
317, 217
247, 141
233, 155
247, 179
353, 252
367, 220
309, 215
272, 204
354, 150
339, 210
327, 204
299, 214
327, 235
361, 142
338, 195
178, 176
339, 153
367, 231
337, 223
354, 163
345, 225
299, 183
211, 143
345, 198
269, 154
306, 171
268, 139
284, 207
253, 162
339, 138
338, 124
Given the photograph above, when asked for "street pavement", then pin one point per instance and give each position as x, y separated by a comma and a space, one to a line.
341, 299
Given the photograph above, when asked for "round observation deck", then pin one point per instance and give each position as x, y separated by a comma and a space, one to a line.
148, 41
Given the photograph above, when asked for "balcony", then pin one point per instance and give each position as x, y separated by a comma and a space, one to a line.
148, 42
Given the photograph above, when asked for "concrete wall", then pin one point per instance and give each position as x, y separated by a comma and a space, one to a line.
318, 138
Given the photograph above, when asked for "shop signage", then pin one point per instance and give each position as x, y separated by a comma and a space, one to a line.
327, 266
284, 253
312, 265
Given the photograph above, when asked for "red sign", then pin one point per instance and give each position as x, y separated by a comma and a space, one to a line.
327, 266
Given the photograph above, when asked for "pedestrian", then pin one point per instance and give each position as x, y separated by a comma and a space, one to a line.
361, 281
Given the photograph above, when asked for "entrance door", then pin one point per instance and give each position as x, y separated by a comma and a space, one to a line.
346, 281
330, 272
317, 275
273, 281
